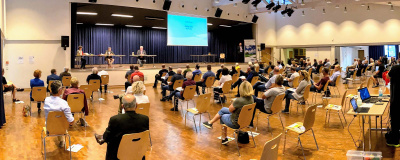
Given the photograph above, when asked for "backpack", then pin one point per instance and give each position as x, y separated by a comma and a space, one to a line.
243, 137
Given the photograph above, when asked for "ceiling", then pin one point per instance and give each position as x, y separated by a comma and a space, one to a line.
104, 16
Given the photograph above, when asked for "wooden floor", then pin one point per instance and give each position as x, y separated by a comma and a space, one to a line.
20, 137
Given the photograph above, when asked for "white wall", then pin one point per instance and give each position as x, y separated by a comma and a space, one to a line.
347, 54
320, 53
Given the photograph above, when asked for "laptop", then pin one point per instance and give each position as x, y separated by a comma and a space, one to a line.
358, 109
366, 97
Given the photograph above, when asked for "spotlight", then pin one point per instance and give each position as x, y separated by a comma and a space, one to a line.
337, 6
389, 3
284, 11
368, 8
245, 1
328, 1
345, 9
269, 6
290, 12
277, 7
255, 3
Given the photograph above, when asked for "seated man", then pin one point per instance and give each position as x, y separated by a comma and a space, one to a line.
65, 73
170, 73
141, 59
179, 94
75, 90
9, 87
219, 72
294, 74
334, 76
317, 87
55, 103
316, 69
128, 76
250, 74
101, 73
53, 76
157, 77
137, 72
378, 74
122, 124
261, 87
202, 83
186, 70
177, 76
196, 71
93, 76
265, 104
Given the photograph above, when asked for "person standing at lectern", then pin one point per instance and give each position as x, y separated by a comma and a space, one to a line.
240, 52
141, 59
80, 53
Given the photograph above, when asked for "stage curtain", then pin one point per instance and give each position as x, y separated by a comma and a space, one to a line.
124, 41
376, 51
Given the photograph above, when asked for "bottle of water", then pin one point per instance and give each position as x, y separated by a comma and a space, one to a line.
380, 92
359, 101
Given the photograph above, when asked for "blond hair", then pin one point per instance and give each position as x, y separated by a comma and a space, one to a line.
245, 89
305, 75
74, 82
137, 87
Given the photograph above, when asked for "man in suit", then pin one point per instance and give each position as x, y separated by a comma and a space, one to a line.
122, 124
141, 59
240, 52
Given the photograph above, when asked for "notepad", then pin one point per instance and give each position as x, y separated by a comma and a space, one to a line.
75, 148
179, 89
367, 105
292, 89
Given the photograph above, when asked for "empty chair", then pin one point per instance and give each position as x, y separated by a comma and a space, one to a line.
133, 146
221, 56
337, 108
202, 106
270, 151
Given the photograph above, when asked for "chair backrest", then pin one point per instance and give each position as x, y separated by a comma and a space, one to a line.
354, 74
281, 70
369, 82
235, 77
197, 77
39, 94
134, 146
337, 81
296, 82
48, 86
344, 97
309, 72
309, 118
210, 81
105, 79
203, 103
331, 72
269, 70
66, 81
222, 55
326, 85
220, 75
143, 108
87, 89
226, 87
76, 102
169, 78
95, 84
277, 103
177, 83
238, 70
362, 70
257, 69
245, 115
163, 74
306, 92
189, 92
141, 79
56, 123
254, 80
320, 69
270, 151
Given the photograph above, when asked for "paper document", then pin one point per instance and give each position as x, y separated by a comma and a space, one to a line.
367, 105
179, 89
292, 89
75, 148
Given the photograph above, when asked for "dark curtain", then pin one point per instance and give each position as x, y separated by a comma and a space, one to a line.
397, 50
376, 51
2, 113
124, 41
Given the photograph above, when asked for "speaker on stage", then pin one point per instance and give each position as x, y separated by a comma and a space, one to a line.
262, 46
218, 12
167, 5
255, 18
65, 42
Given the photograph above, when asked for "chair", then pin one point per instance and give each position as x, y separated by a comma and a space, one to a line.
169, 78
210, 82
301, 128
226, 88
221, 56
48, 86
254, 80
66, 81
244, 120
281, 70
369, 82
202, 106
337, 82
337, 108
56, 126
144, 108
38, 95
76, 103
323, 90
238, 70
306, 94
276, 108
197, 77
95, 84
310, 71
270, 151
88, 91
163, 74
353, 77
188, 94
257, 69
105, 79
235, 77
133, 146
296, 82
177, 83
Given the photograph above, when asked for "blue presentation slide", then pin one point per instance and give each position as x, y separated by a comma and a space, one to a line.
187, 31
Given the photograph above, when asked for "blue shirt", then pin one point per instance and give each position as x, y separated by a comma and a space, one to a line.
53, 77
208, 74
196, 72
36, 82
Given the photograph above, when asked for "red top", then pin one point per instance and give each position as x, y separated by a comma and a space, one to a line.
187, 83
140, 74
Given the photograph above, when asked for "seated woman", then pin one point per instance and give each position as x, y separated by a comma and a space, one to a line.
229, 116
298, 94
9, 87
109, 58
138, 92
75, 90
179, 94
233, 71
36, 82
225, 77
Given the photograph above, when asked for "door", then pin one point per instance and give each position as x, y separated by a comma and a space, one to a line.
266, 55
361, 54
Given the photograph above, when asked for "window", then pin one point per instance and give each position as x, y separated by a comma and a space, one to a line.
390, 51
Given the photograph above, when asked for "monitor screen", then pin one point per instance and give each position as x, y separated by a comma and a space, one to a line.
187, 31
354, 104
364, 94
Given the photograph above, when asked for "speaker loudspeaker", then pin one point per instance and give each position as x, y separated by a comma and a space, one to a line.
93, 1
167, 5
255, 18
65, 42
262, 46
218, 12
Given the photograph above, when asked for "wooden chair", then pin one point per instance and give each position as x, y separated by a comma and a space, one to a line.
203, 104
323, 90
306, 94
244, 120
141, 78
238, 70
310, 71
48, 86
88, 91
133, 146
144, 108
353, 77
337, 108
226, 89
38, 95
337, 82
95, 84
235, 77
301, 128
177, 83
281, 70
76, 103
369, 82
254, 80
209, 82
169, 78
188, 94
270, 151
296, 82
56, 126
257, 69
105, 79
276, 108
197, 77
269, 70
221, 56
66, 81
163, 74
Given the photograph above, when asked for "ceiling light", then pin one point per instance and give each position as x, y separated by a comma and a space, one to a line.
209, 24
337, 6
345, 9
158, 28
357, 0
255, 3
391, 8
133, 26
368, 8
87, 13
245, 1
104, 24
328, 1
269, 6
121, 15
154, 18
302, 3
303, 13
277, 7
363, 5
224, 25
389, 3
323, 11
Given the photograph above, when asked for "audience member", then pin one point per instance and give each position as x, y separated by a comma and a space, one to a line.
129, 89
334, 76
197, 70
202, 83
299, 92
219, 72
102, 73
94, 76
65, 73
186, 70
224, 78
137, 72
75, 90
327, 64
157, 77
378, 74
53, 76
393, 136
9, 87
250, 74
261, 87
289, 82
179, 94
137, 90
315, 63
36, 82
318, 87
265, 103
128, 76
233, 71
175, 77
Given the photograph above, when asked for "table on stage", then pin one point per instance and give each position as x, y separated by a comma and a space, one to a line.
375, 111
207, 56
151, 56
100, 57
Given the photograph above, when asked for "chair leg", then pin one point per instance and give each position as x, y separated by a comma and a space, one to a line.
199, 121
70, 152
340, 119
268, 124
44, 147
185, 117
280, 118
237, 143
326, 116
252, 136
302, 149
284, 143
194, 122
151, 143
345, 121
314, 138
257, 121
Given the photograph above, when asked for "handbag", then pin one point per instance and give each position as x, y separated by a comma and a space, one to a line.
26, 110
243, 137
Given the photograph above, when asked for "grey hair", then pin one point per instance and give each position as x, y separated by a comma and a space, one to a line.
129, 104
55, 86
189, 75
66, 69
95, 70
179, 70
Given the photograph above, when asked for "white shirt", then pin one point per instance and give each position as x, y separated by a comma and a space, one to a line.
223, 79
103, 72
57, 104
129, 89
294, 75
141, 98
280, 66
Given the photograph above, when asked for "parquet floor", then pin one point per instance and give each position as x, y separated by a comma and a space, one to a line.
20, 137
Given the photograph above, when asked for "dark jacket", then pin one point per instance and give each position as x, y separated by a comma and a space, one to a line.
93, 76
53, 77
121, 124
